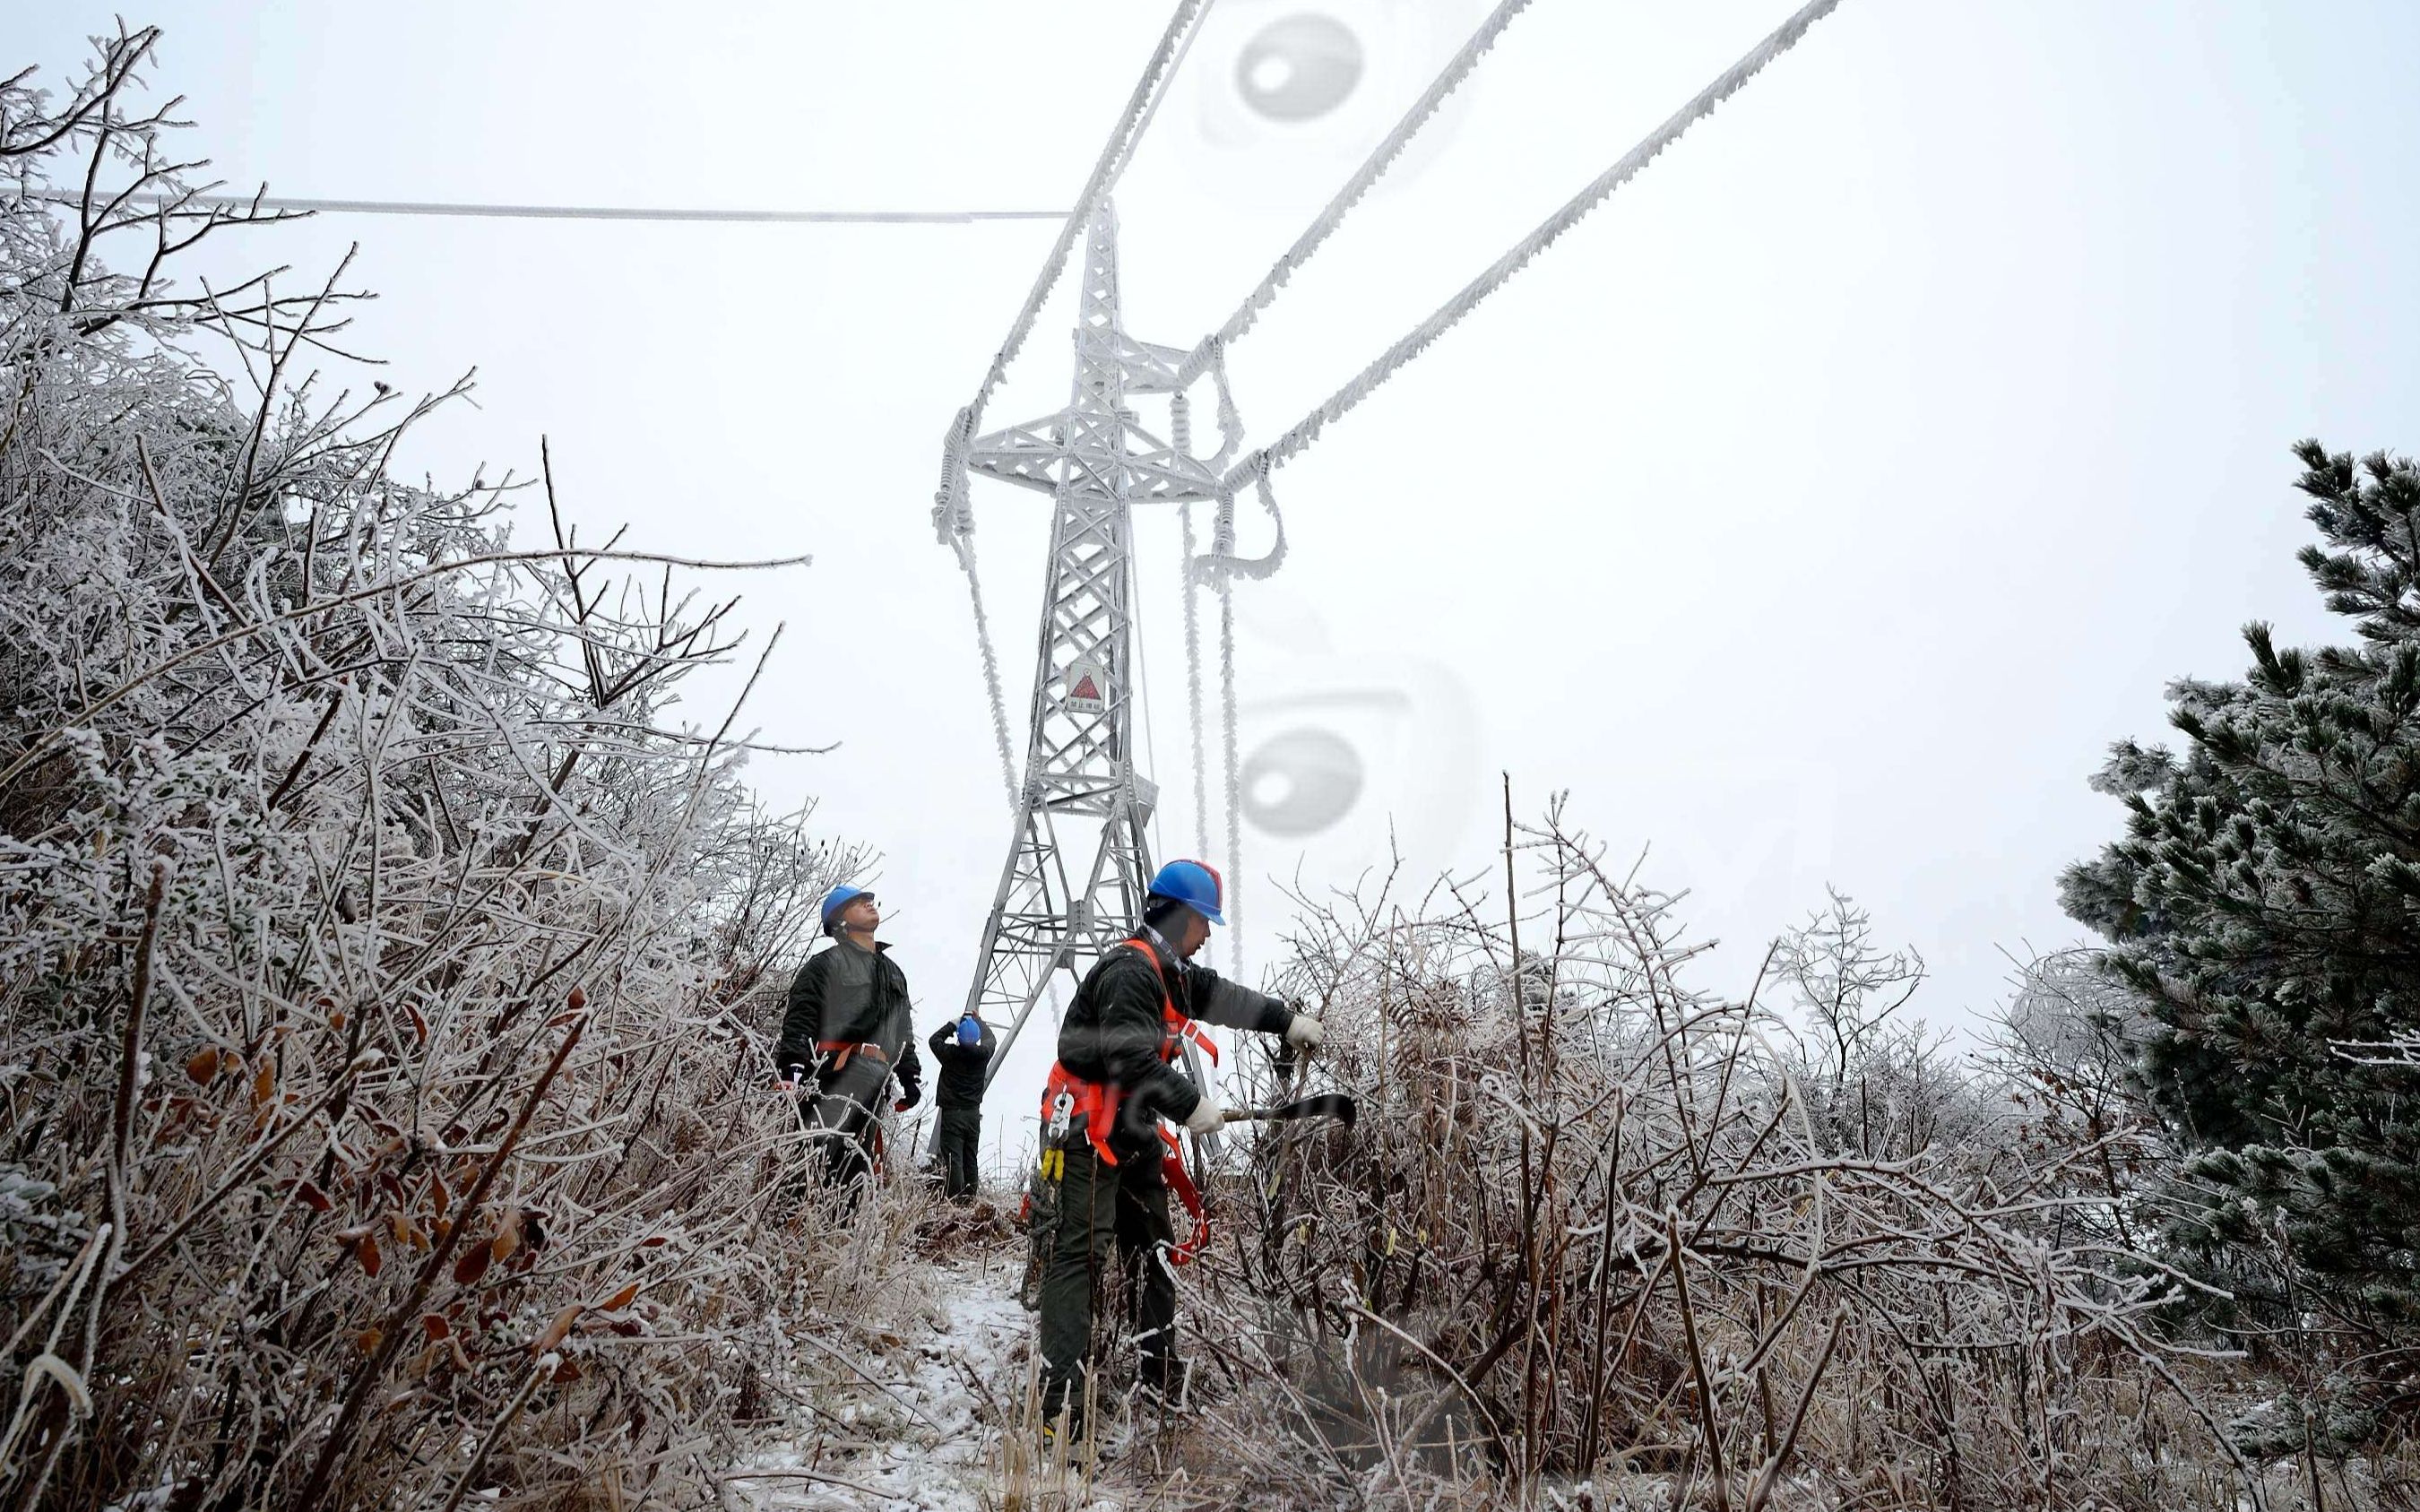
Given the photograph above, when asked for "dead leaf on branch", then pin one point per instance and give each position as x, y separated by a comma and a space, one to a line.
556, 1330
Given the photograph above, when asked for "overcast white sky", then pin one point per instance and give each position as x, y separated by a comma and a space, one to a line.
1818, 512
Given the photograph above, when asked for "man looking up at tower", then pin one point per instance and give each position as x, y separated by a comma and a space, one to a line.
1115, 1080
848, 1028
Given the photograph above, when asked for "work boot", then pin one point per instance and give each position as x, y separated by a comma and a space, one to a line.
1063, 1419
1075, 1441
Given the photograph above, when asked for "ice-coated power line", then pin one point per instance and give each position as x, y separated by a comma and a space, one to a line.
1260, 463
1374, 167
1141, 107
951, 521
1097, 461
568, 213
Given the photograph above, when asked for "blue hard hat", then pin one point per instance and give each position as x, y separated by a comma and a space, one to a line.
969, 1031
840, 898
1192, 883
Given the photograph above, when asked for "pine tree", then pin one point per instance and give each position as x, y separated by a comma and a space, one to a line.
2265, 903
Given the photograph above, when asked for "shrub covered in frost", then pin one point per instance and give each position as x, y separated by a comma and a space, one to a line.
383, 1115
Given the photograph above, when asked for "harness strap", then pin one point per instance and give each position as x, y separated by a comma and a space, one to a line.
1098, 1105
840, 1050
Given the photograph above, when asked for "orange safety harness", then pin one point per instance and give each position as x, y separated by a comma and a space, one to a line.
840, 1050
1098, 1105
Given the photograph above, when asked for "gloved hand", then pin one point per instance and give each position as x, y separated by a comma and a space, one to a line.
792, 1075
909, 1095
1305, 1031
1206, 1118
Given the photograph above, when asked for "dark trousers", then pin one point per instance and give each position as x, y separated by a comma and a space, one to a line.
1127, 1202
839, 1117
961, 1166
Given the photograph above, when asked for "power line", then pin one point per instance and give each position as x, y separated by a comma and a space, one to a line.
574, 212
1256, 467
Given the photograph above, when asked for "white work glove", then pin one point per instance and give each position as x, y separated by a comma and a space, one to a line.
1305, 1032
1206, 1118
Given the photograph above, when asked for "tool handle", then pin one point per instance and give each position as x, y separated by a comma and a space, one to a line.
1322, 1105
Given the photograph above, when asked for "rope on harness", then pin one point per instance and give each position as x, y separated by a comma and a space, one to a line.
1393, 359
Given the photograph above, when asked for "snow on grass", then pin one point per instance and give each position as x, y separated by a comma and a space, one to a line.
953, 1345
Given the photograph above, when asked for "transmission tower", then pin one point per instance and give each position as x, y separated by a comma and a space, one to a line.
1079, 857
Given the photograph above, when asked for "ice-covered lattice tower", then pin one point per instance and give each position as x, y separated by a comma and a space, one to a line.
1079, 855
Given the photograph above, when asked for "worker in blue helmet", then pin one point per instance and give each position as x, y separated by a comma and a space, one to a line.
1115, 1080
847, 1036
962, 1049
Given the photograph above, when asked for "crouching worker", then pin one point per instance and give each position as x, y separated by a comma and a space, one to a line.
1114, 1081
962, 1051
847, 1035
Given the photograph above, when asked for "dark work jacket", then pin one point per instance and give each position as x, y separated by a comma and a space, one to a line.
1113, 1030
959, 1082
853, 995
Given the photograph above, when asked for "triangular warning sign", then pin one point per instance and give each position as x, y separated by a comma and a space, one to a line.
1085, 680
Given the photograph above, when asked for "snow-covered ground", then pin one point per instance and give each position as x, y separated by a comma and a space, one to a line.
919, 1429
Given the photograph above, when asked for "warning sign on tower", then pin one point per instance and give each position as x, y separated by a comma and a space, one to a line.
1087, 684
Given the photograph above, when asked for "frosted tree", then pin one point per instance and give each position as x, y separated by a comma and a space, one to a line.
2265, 905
